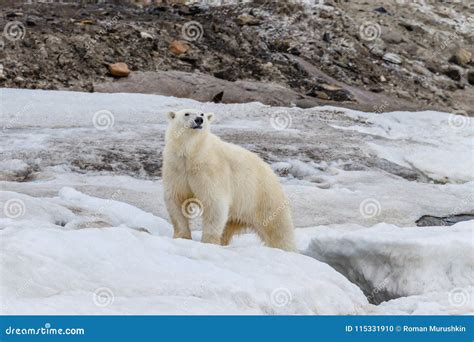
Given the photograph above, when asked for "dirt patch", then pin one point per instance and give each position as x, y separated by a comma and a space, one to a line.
318, 55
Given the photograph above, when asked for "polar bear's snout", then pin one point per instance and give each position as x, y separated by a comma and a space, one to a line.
197, 123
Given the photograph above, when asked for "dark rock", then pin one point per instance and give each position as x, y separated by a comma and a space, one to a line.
218, 97
376, 89
470, 77
295, 51
428, 220
327, 37
228, 74
14, 14
453, 73
381, 10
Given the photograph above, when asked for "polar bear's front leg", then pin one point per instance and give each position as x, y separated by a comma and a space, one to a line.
215, 217
179, 221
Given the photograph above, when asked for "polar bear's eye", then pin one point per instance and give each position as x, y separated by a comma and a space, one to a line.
187, 114
202, 114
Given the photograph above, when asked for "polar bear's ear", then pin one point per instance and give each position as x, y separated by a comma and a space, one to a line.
210, 117
171, 115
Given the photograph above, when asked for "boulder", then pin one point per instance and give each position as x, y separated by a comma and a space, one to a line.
453, 72
247, 19
470, 77
461, 57
119, 70
392, 58
178, 47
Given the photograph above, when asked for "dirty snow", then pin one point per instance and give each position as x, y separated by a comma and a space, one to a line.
84, 228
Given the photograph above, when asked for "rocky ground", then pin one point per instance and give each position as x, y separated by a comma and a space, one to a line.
372, 56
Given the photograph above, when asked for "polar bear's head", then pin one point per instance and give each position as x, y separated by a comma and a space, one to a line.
190, 119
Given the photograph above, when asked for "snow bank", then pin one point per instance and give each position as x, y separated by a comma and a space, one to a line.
14, 170
438, 144
457, 301
117, 270
113, 212
388, 262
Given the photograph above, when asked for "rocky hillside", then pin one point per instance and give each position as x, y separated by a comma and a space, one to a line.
375, 56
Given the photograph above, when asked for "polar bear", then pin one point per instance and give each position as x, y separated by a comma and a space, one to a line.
233, 186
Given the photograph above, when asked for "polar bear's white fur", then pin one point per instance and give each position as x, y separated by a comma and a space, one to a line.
235, 188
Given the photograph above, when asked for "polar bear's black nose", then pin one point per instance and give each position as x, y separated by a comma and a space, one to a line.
198, 120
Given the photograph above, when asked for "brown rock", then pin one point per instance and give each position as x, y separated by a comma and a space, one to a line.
178, 47
87, 22
119, 69
461, 57
247, 19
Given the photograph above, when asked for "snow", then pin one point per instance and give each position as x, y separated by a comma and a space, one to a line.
436, 140
84, 228
114, 213
400, 262
64, 271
